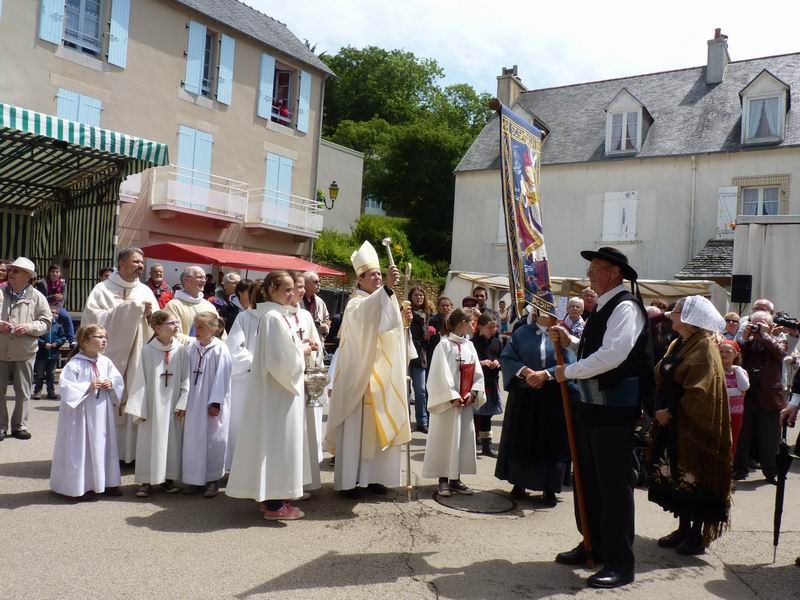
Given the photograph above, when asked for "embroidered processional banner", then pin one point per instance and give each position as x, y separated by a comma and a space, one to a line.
528, 268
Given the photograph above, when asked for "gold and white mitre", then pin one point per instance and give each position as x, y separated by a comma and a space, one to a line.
365, 259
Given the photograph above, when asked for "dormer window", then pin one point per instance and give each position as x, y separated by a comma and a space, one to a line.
625, 132
764, 106
627, 121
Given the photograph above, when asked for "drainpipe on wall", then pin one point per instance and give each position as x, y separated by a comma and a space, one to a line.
691, 209
316, 157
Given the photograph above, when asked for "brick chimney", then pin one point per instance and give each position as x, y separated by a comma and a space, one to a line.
509, 86
718, 57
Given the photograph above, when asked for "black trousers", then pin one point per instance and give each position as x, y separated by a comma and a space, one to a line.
764, 426
605, 458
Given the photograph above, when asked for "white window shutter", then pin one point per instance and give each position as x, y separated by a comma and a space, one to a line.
227, 48
195, 54
286, 170
51, 21
118, 33
67, 104
612, 216
186, 141
271, 179
628, 216
305, 102
89, 111
726, 210
266, 86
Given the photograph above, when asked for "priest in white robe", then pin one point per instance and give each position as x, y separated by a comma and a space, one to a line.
241, 344
85, 454
121, 305
189, 301
368, 420
450, 448
155, 405
205, 436
268, 463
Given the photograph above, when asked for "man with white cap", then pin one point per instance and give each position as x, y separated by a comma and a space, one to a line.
368, 417
24, 316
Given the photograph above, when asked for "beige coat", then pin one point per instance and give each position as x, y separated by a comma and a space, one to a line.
32, 309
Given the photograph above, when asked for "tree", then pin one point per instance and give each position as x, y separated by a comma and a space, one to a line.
372, 82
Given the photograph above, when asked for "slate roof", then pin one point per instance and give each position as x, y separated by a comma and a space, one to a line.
714, 260
690, 116
258, 26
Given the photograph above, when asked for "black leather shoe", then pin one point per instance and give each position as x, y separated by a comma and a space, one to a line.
422, 428
691, 546
21, 434
377, 488
574, 557
674, 539
550, 499
607, 578
2, 435
352, 493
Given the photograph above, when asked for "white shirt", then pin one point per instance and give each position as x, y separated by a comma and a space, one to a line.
622, 330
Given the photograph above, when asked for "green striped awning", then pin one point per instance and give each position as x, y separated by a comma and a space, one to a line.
42, 156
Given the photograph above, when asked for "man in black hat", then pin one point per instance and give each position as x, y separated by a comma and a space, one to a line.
615, 373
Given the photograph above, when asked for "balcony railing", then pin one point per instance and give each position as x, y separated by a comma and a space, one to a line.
186, 190
272, 209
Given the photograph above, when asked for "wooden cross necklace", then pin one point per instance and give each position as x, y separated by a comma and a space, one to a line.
166, 374
197, 372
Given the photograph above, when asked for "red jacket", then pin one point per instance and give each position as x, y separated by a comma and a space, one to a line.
163, 293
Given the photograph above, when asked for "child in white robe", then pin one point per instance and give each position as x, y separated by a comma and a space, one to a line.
268, 464
450, 449
208, 409
85, 457
158, 404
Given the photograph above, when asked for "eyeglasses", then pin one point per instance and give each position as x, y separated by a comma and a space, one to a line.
731, 321
14, 270
172, 322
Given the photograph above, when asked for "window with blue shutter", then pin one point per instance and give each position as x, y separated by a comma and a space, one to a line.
305, 101
278, 190
77, 107
266, 82
195, 54
227, 49
118, 33
67, 104
51, 20
194, 156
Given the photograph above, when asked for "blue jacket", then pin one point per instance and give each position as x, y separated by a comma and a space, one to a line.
55, 336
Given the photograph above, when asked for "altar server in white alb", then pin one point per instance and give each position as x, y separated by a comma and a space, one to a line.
122, 305
268, 464
303, 322
85, 457
208, 409
158, 405
368, 418
455, 389
241, 343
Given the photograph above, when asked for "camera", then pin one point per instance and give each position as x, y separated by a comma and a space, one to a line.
784, 320
753, 328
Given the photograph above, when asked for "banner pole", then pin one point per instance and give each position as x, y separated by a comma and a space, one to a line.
573, 450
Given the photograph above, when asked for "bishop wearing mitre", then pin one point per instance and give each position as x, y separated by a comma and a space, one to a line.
368, 418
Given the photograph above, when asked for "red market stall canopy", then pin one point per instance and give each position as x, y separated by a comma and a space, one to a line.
256, 261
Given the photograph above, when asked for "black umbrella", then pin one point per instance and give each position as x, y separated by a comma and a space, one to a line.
784, 461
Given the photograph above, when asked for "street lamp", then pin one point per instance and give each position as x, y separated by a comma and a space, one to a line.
333, 193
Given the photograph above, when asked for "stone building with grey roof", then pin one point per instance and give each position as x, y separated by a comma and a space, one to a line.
660, 165
235, 94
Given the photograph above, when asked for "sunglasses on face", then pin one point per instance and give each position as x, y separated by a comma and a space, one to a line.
731, 321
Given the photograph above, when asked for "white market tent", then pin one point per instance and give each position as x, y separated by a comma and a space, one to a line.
461, 283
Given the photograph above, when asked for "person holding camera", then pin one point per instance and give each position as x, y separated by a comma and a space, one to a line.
762, 358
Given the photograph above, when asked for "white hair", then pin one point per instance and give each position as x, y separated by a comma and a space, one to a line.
310, 274
190, 272
231, 278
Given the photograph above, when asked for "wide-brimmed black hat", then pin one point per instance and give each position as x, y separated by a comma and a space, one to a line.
615, 257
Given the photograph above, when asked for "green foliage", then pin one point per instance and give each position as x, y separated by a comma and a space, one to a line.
388, 105
334, 248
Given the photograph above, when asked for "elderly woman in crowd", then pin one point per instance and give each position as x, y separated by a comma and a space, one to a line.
731, 326
573, 321
690, 450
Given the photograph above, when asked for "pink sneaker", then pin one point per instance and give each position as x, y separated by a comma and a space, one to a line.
287, 512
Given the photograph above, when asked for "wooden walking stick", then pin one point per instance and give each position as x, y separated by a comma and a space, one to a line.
573, 450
